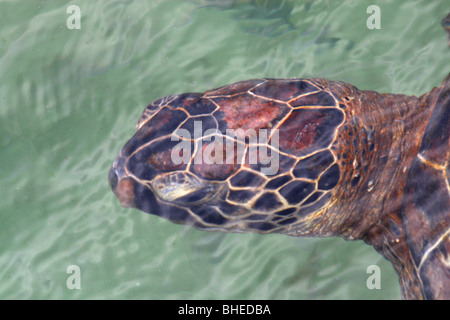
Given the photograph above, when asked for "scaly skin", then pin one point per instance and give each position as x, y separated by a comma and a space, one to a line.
350, 163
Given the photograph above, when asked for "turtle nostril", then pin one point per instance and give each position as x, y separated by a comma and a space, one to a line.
122, 186
113, 179
125, 193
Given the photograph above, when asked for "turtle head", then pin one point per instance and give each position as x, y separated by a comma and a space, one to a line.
216, 161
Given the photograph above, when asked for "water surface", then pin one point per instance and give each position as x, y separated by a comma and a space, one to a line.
69, 100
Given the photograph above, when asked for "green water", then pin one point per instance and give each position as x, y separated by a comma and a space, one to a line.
69, 100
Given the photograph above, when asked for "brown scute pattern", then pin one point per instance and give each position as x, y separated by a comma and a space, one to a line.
313, 198
194, 104
315, 206
277, 182
211, 166
283, 90
263, 160
165, 122
315, 99
203, 122
330, 178
286, 212
296, 191
246, 178
311, 167
241, 195
268, 201
152, 109
307, 118
154, 158
246, 111
210, 215
309, 130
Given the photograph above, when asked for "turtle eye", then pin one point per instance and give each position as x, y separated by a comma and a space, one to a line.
195, 197
184, 188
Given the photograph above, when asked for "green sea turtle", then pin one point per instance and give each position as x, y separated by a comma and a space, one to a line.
303, 157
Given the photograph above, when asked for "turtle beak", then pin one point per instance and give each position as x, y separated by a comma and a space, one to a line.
121, 184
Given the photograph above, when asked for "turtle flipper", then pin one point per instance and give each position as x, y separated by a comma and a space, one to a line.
426, 208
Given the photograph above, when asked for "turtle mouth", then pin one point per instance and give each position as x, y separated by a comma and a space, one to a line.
180, 188
125, 193
123, 187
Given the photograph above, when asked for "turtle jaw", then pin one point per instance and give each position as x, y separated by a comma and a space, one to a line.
121, 185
